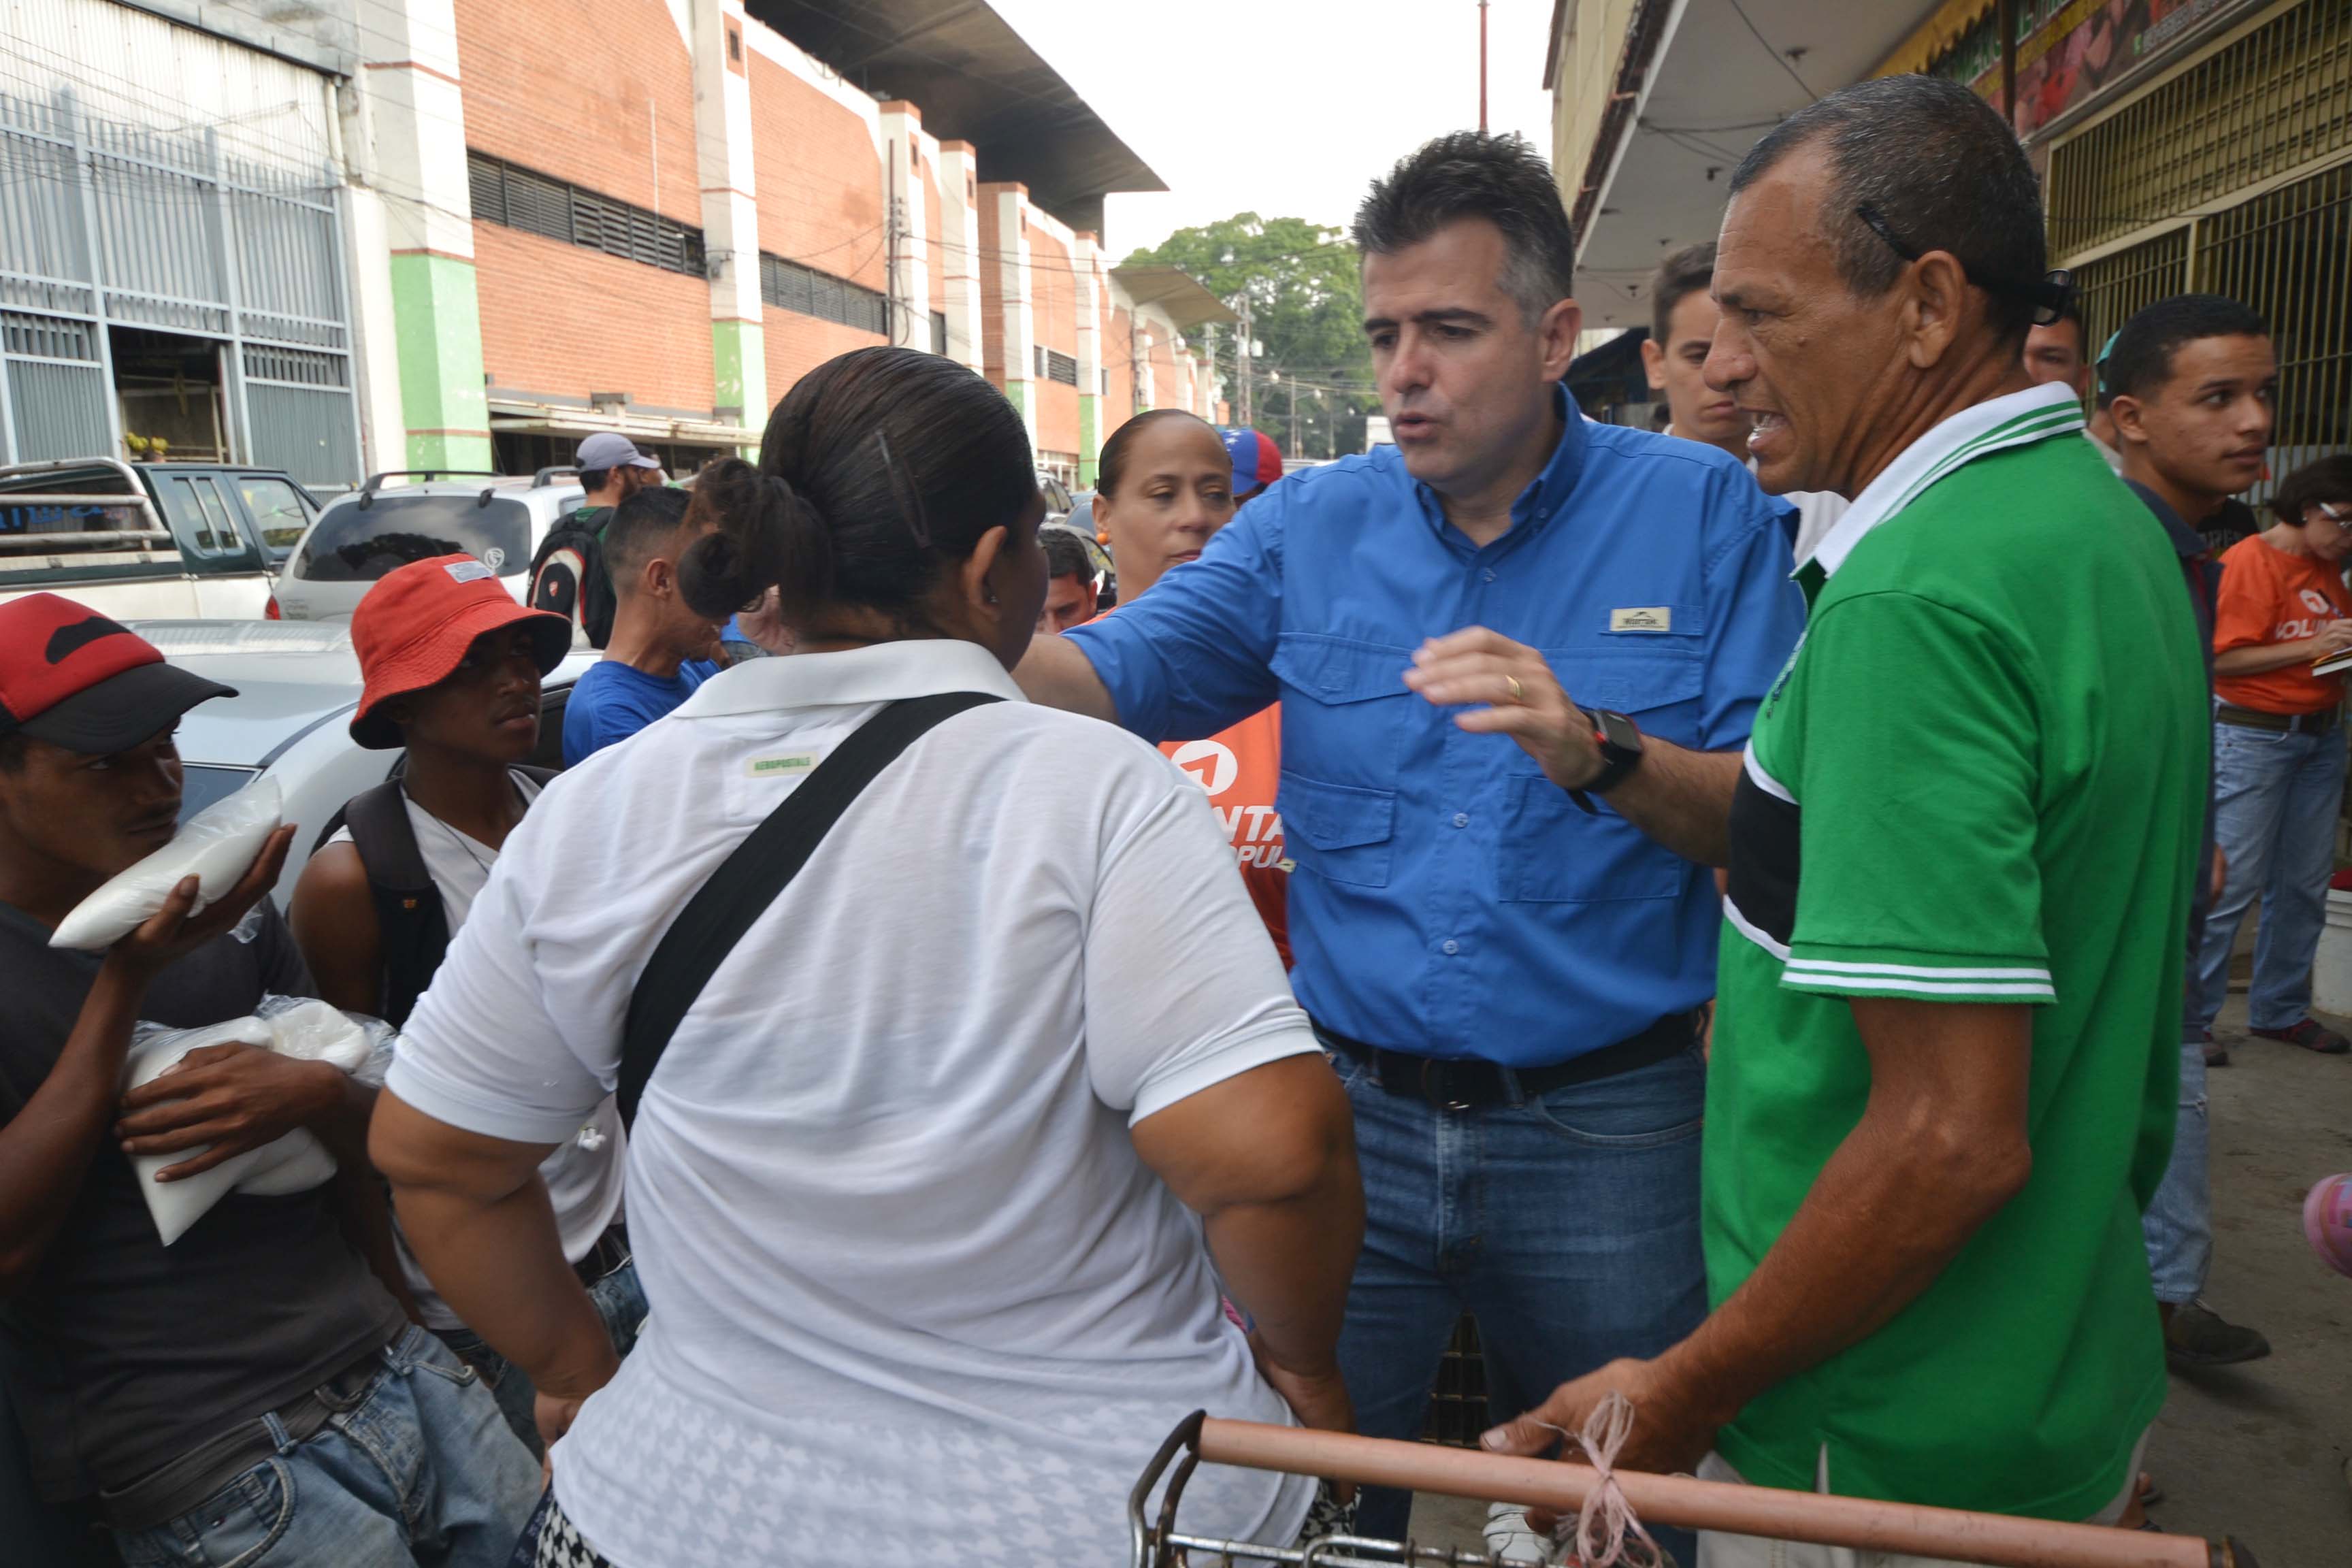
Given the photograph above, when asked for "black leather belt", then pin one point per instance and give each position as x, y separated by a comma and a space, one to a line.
2317, 723
1467, 1083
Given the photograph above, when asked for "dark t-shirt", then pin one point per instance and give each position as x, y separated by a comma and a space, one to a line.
124, 1353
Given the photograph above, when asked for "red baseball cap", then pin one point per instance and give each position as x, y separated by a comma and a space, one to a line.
71, 677
415, 625
1257, 461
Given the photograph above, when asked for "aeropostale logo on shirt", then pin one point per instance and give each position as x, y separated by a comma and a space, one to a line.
782, 766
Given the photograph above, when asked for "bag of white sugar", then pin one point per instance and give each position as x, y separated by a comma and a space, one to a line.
217, 847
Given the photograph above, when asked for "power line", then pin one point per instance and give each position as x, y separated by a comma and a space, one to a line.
1778, 58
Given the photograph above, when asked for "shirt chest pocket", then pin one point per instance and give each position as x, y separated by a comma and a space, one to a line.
1344, 708
1336, 831
1551, 850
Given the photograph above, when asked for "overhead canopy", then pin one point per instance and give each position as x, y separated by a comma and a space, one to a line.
1175, 291
975, 80
1714, 87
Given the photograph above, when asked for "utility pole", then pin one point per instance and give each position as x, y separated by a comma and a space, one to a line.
1295, 452
1245, 364
891, 315
1482, 67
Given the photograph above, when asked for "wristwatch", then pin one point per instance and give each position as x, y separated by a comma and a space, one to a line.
1621, 754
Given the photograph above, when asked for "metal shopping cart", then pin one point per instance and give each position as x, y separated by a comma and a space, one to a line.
1998, 1539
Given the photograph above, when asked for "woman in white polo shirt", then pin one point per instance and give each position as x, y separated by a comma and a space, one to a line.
934, 1190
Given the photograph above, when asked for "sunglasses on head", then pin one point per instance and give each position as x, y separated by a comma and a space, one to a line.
2337, 512
2049, 294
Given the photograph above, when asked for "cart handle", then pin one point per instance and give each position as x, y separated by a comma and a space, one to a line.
1862, 1523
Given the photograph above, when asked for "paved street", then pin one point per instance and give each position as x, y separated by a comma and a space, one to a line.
2255, 1451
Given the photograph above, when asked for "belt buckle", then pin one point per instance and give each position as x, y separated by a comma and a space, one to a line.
1429, 1065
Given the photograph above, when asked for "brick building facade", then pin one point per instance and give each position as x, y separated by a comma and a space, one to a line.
686, 213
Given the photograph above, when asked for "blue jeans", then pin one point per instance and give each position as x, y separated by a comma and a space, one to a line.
2178, 1224
420, 1472
620, 1301
1566, 1223
2275, 800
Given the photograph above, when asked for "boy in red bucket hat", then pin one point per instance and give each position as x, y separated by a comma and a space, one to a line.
453, 668
195, 1389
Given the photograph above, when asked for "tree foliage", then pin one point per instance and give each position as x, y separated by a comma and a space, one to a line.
1307, 310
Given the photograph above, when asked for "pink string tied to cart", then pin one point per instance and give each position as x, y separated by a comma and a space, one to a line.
1607, 1533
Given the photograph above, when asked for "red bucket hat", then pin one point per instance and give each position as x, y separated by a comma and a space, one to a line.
415, 625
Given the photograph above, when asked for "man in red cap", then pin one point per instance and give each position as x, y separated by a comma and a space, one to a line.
453, 668
197, 1390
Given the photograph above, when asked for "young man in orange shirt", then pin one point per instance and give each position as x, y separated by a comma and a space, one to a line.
1167, 483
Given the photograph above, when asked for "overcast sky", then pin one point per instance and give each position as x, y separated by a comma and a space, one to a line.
1309, 99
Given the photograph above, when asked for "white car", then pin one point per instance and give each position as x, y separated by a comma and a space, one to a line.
296, 686
359, 537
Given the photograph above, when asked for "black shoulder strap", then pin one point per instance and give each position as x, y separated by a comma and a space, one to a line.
748, 880
412, 925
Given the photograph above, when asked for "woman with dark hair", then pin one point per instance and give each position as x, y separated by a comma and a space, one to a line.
913, 1190
1166, 484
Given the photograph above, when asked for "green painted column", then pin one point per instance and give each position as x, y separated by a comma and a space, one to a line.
1089, 438
739, 360
437, 318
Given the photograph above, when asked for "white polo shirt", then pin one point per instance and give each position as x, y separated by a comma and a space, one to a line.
909, 1283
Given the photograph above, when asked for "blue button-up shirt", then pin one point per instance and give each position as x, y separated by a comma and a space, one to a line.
1449, 899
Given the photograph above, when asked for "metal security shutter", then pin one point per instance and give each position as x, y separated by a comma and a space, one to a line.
302, 414
56, 388
107, 223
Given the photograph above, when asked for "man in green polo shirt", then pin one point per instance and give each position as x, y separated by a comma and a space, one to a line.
1945, 1066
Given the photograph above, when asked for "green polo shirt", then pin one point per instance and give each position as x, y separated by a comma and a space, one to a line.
1993, 736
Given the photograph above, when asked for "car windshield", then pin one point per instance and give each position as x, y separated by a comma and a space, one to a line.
355, 543
202, 784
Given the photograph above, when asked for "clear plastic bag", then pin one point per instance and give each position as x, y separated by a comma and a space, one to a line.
298, 1027
217, 846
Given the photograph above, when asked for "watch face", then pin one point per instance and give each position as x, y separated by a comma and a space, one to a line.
1621, 732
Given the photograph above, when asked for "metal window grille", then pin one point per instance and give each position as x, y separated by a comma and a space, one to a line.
789, 286
516, 197
1053, 365
2284, 253
2115, 286
938, 331
2272, 101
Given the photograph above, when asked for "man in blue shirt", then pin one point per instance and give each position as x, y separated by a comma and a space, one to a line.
660, 649
1504, 965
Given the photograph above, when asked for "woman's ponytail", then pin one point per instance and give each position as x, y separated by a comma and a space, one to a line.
767, 536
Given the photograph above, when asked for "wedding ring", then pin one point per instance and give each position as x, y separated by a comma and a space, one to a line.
1518, 692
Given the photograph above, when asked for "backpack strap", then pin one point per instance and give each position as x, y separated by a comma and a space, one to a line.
412, 926
748, 880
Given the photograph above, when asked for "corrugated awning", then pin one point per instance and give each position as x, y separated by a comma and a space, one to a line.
976, 81
1184, 296
554, 419
1934, 38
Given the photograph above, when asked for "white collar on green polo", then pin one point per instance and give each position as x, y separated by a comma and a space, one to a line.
2013, 420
